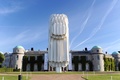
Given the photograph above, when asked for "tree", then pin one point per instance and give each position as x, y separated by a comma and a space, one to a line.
2, 57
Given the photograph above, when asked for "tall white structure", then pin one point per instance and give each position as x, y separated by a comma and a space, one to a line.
98, 60
58, 50
18, 53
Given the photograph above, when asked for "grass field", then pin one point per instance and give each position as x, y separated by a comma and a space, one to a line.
103, 77
10, 77
86, 75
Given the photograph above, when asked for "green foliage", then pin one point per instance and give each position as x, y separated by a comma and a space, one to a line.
103, 77
25, 62
76, 61
2, 57
91, 65
32, 61
82, 59
9, 77
16, 70
83, 62
40, 61
6, 69
109, 64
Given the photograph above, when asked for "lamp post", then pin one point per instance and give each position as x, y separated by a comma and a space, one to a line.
20, 76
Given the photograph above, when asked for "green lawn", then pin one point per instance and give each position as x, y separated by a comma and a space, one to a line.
103, 77
89, 75
9, 77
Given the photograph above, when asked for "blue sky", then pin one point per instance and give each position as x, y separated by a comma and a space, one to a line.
91, 22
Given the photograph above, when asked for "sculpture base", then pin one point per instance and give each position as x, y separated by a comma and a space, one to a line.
58, 69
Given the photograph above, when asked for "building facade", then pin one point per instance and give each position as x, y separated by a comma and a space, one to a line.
86, 60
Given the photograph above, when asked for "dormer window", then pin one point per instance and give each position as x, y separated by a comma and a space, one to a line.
17, 50
97, 50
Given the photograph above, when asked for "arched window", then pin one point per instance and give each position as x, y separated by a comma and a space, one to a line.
86, 58
79, 58
98, 58
17, 57
87, 67
79, 66
73, 67
35, 67
16, 66
28, 67
98, 67
35, 57
28, 58
42, 67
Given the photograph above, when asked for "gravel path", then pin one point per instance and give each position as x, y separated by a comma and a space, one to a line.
56, 77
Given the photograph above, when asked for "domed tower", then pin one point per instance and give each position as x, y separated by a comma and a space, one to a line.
18, 53
116, 56
97, 58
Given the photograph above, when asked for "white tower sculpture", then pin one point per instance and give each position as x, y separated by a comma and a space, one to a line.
58, 50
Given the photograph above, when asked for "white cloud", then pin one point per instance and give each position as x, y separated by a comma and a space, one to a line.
9, 7
25, 37
100, 24
112, 44
84, 23
7, 10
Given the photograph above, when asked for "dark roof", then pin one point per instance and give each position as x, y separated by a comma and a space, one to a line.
80, 52
35, 52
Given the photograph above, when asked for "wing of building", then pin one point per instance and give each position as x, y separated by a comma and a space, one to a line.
85, 60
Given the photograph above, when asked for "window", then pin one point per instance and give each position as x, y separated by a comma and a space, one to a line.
28, 67
35, 57
73, 67
79, 58
17, 50
97, 50
16, 66
35, 67
98, 57
98, 67
28, 58
42, 57
87, 66
72, 56
17, 57
86, 58
79, 66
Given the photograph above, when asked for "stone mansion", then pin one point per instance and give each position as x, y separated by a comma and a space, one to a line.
86, 60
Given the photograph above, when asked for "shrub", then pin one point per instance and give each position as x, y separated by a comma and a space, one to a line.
6, 69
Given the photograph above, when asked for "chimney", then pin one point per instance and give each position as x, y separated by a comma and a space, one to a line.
85, 49
32, 49
47, 49
106, 52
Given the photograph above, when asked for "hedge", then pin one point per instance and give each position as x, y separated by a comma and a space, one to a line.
16, 70
6, 69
